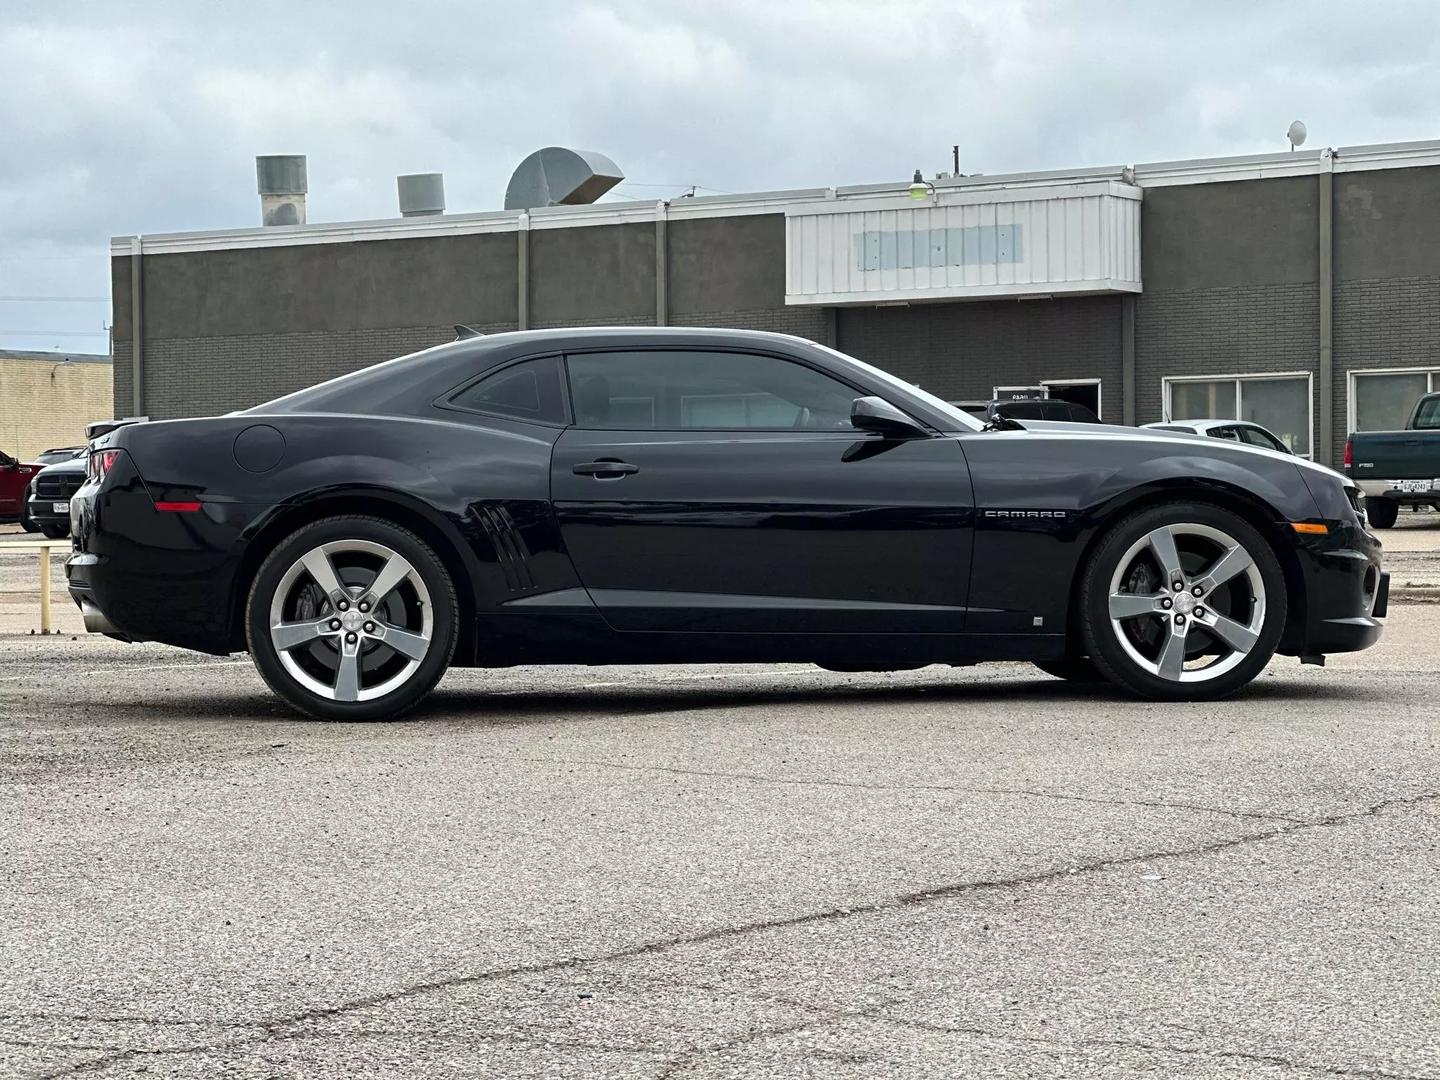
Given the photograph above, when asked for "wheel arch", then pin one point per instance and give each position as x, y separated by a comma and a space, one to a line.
1255, 511
393, 506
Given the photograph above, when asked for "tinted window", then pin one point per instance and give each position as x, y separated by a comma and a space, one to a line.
1260, 437
530, 390
1225, 433
672, 390
1024, 410
1080, 414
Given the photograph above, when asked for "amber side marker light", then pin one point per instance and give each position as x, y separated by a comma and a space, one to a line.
1309, 528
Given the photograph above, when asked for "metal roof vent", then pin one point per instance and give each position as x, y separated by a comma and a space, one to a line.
421, 194
281, 181
556, 176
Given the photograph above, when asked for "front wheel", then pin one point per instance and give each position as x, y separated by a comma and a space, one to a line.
54, 532
352, 618
1184, 601
1381, 513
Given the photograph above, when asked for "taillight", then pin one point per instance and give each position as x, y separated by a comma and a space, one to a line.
100, 463
1348, 453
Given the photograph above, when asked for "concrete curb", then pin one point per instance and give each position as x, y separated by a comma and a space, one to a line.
1415, 594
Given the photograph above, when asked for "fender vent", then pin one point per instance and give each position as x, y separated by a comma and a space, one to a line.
510, 549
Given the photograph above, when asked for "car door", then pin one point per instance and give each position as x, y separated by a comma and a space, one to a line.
713, 490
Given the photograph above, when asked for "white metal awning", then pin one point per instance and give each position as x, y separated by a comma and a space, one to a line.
1030, 240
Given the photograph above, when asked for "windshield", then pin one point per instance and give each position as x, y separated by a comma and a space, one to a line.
963, 420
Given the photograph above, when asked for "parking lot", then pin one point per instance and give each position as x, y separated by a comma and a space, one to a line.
703, 872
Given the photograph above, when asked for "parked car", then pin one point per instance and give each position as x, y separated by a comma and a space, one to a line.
1398, 468
1029, 409
48, 497
659, 495
15, 477
63, 453
1241, 431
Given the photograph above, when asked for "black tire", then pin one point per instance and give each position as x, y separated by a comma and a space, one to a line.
1079, 669
27, 522
54, 532
304, 601
1381, 513
1249, 606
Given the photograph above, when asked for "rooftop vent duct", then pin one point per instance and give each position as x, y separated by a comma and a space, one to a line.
556, 176
421, 194
280, 179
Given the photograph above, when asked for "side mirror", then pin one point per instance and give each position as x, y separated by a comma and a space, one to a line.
878, 415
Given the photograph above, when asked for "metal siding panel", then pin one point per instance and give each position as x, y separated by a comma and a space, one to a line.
824, 259
842, 253
1094, 246
1055, 225
1074, 240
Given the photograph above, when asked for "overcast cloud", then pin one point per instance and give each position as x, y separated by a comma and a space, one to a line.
129, 116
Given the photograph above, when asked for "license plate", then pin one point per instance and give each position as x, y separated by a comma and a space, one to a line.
1414, 486
60, 508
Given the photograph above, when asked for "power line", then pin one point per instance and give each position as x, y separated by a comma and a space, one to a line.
56, 299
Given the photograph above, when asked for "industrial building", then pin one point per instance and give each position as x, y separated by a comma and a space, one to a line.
1300, 290
46, 399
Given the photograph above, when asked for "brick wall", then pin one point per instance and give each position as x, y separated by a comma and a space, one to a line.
47, 403
1247, 329
208, 376
1393, 322
962, 351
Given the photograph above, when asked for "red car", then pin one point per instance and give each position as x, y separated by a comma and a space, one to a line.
14, 479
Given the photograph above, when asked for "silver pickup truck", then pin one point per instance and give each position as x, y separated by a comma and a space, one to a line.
1398, 468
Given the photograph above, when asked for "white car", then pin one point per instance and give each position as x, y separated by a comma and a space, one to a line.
1241, 431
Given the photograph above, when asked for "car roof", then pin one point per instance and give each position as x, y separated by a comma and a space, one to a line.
1200, 425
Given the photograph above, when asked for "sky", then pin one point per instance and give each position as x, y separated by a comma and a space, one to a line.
140, 116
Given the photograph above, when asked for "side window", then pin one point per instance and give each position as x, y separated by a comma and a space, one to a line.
675, 390
1427, 415
1225, 433
1260, 437
530, 390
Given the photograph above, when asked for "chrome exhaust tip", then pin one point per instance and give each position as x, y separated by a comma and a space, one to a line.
95, 620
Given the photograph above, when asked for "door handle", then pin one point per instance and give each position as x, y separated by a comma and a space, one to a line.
605, 470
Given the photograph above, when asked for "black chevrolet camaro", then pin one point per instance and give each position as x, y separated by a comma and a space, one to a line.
661, 495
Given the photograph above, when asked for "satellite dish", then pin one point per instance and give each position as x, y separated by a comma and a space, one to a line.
1296, 134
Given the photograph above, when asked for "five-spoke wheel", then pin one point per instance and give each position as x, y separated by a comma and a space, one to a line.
1183, 600
344, 620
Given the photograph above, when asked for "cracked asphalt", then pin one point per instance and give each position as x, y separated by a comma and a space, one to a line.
719, 872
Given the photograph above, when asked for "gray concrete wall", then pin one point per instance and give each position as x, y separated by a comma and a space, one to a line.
963, 351
727, 264
592, 276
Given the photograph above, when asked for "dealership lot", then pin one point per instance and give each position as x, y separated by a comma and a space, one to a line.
719, 871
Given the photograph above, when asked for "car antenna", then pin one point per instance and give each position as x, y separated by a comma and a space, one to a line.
462, 332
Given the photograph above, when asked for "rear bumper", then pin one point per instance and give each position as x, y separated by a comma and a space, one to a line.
1385, 489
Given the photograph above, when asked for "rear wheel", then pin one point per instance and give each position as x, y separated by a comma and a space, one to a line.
1184, 601
352, 618
1381, 513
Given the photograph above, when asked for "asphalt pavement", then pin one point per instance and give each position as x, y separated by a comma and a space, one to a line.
719, 872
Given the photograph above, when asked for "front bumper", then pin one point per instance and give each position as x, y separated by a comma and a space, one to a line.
43, 512
1346, 594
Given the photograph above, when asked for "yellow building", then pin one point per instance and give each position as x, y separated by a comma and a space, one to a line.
46, 399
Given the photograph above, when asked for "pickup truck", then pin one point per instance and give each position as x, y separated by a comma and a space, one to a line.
1398, 468
15, 477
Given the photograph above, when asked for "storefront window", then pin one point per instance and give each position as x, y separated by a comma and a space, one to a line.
1212, 399
1385, 400
1279, 403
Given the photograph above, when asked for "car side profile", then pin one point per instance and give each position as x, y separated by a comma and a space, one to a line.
656, 495
1241, 431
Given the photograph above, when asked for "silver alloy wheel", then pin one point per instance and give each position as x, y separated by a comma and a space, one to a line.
365, 606
1182, 605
